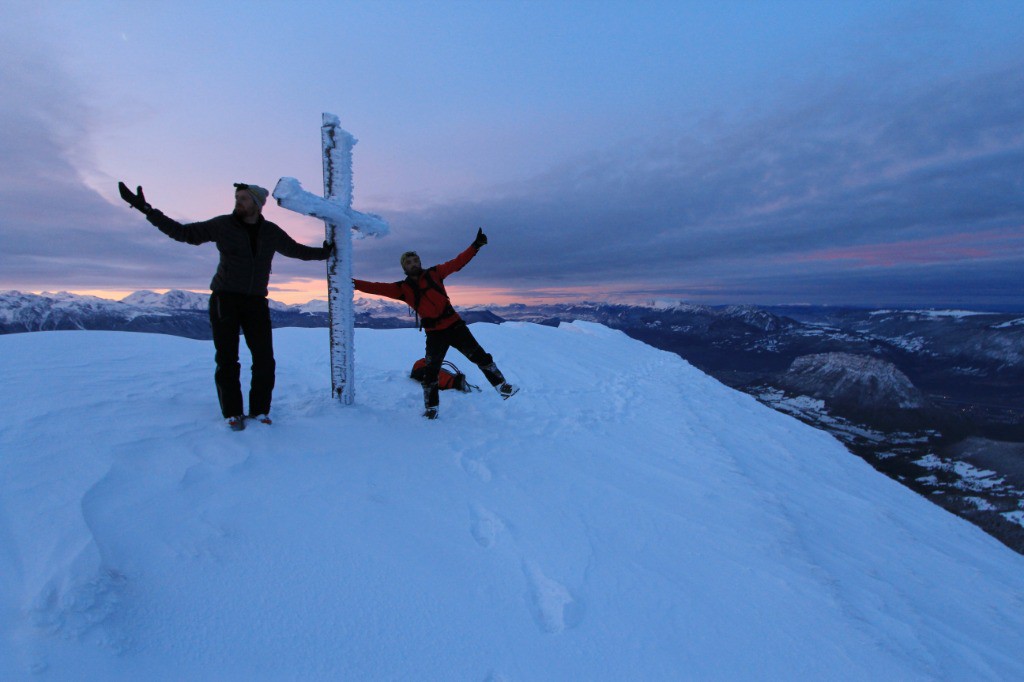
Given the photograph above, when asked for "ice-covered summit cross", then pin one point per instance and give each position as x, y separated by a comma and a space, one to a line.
335, 209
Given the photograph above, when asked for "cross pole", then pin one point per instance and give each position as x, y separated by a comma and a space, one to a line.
335, 209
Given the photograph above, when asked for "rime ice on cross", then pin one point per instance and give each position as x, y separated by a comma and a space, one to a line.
335, 209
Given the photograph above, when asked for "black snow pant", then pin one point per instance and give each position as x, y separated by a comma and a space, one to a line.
229, 314
459, 337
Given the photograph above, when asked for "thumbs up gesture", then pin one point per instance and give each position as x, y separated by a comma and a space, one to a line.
481, 238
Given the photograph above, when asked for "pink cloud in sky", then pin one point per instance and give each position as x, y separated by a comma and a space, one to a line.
989, 244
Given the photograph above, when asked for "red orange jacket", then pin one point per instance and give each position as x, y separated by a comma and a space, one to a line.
431, 303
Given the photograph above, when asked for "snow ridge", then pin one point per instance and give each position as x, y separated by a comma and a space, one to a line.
623, 517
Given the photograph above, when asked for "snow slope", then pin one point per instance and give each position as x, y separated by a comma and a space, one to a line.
624, 517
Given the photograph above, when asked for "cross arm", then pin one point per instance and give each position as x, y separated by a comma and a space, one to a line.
290, 195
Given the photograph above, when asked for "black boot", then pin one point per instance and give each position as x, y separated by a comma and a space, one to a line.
493, 374
430, 400
506, 390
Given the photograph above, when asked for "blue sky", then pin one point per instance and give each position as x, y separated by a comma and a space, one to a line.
729, 152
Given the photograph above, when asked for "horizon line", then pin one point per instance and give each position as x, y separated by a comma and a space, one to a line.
118, 295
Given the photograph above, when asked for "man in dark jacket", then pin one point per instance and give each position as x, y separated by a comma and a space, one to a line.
247, 243
424, 292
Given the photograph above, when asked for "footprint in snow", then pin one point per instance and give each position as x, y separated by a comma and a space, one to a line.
553, 607
486, 526
80, 606
475, 468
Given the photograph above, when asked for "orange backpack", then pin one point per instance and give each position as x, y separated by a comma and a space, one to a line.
448, 376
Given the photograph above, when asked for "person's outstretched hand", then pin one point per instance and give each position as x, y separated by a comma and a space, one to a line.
135, 200
480, 240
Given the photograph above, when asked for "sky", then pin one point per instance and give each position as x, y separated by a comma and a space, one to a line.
564, 534
844, 153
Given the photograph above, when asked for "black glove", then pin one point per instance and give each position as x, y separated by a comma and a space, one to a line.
480, 240
137, 201
328, 248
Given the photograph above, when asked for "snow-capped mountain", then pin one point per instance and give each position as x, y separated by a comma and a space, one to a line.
377, 307
171, 300
176, 299
181, 313
853, 380
49, 311
665, 527
973, 343
63, 311
176, 312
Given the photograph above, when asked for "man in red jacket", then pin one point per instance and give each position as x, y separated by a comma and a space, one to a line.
424, 292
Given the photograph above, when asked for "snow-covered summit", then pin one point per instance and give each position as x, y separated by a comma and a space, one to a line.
379, 306
314, 306
623, 517
47, 311
175, 299
678, 306
174, 312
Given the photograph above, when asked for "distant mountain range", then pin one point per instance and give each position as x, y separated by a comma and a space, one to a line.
179, 313
934, 398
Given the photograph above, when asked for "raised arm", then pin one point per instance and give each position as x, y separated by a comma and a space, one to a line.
460, 261
193, 233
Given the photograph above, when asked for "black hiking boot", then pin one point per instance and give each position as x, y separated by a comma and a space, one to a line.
430, 400
506, 390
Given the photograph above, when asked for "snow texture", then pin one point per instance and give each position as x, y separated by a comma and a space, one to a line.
624, 517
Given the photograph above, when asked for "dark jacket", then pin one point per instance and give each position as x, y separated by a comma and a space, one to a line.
245, 251
424, 294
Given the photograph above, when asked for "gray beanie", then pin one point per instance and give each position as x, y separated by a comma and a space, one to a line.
258, 193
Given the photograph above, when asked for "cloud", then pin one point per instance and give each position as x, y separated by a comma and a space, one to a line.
872, 183
856, 169
56, 231
988, 245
